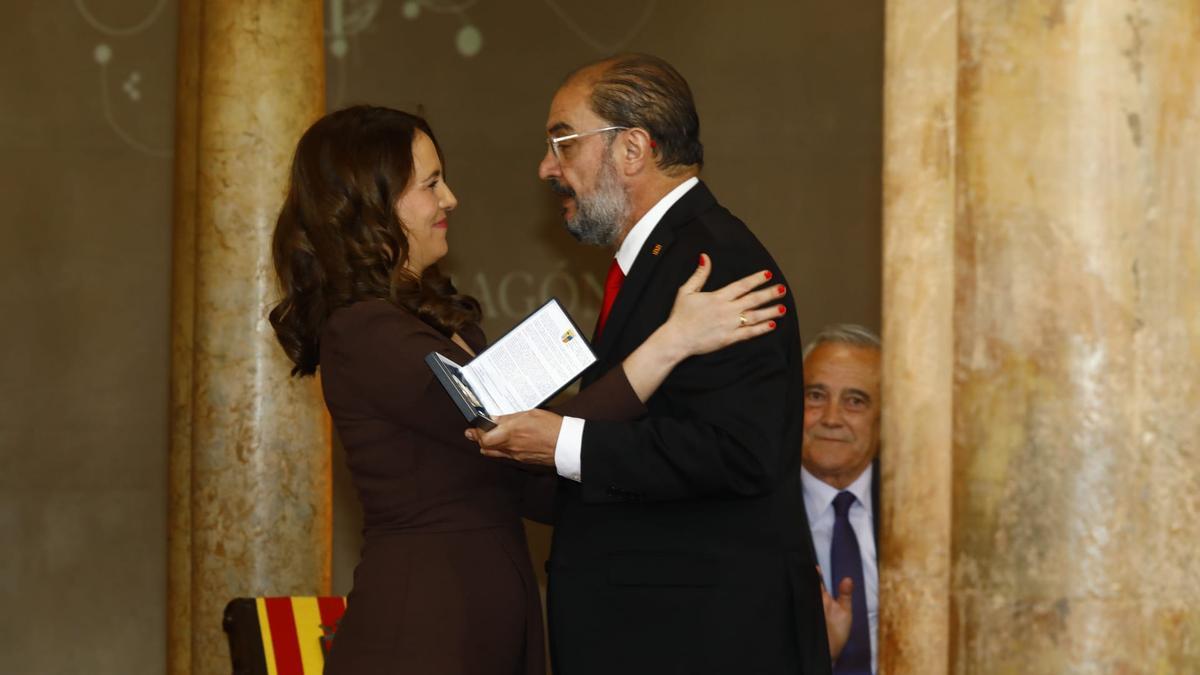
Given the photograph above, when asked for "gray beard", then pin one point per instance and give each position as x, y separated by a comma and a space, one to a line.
599, 218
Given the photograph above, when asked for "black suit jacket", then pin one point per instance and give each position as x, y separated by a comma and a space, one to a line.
679, 551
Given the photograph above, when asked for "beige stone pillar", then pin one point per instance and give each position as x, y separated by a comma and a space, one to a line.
920, 51
183, 280
1074, 332
259, 458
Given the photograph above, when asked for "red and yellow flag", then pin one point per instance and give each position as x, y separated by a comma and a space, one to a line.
296, 632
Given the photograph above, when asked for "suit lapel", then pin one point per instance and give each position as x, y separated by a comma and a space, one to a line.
695, 201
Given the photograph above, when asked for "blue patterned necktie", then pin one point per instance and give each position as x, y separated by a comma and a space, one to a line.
846, 560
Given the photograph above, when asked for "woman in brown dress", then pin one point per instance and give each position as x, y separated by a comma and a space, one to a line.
445, 585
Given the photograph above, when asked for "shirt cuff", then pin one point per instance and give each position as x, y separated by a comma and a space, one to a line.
568, 460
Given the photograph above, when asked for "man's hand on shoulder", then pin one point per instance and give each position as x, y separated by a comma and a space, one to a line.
528, 437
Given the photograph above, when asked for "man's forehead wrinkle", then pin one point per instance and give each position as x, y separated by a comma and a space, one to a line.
562, 111
572, 103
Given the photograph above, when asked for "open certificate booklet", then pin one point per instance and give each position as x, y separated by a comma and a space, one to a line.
532, 362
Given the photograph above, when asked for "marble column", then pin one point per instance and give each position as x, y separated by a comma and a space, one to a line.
1073, 338
259, 449
183, 281
920, 51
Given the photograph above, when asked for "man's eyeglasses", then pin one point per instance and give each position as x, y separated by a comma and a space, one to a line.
554, 141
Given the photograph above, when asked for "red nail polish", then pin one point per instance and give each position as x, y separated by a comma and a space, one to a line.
782, 290
768, 275
771, 324
702, 260
782, 309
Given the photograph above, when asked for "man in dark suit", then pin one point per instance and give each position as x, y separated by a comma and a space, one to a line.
675, 545
840, 479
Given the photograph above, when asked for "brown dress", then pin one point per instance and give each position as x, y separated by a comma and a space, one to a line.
445, 585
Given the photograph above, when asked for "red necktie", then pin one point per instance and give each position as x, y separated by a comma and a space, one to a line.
612, 286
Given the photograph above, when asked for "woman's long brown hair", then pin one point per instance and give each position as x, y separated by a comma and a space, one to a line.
338, 239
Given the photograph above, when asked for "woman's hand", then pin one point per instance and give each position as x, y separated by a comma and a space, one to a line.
706, 322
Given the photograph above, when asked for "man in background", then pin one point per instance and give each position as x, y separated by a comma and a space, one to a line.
840, 481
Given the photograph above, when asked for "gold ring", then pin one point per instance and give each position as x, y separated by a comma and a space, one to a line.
741, 319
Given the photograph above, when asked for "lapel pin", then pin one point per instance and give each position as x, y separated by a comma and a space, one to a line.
657, 249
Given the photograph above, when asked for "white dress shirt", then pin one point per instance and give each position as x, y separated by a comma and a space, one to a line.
569, 447
818, 502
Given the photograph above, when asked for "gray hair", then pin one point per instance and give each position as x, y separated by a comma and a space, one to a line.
845, 334
640, 90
